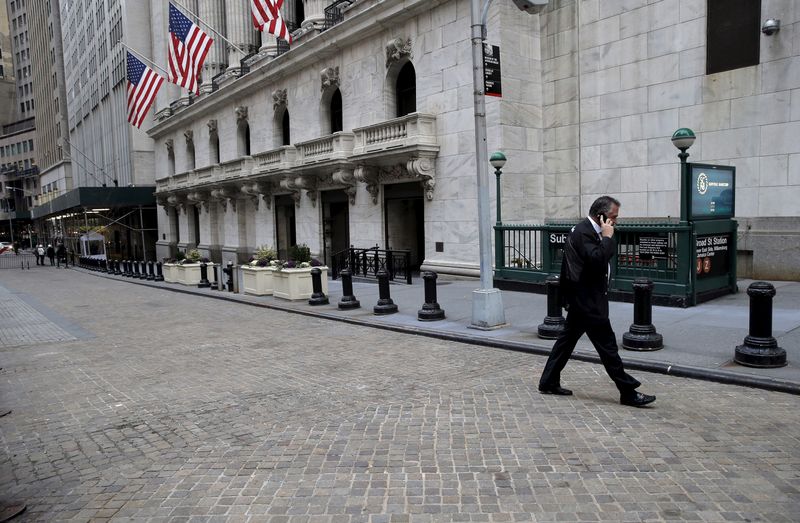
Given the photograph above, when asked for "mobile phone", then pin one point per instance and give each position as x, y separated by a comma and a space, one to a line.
602, 218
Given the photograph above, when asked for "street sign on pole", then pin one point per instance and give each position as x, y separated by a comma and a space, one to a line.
491, 71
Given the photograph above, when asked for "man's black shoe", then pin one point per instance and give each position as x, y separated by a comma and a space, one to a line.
637, 399
558, 391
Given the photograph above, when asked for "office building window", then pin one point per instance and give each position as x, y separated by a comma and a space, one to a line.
734, 33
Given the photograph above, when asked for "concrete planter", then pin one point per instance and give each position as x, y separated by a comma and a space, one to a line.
295, 284
170, 272
257, 281
189, 273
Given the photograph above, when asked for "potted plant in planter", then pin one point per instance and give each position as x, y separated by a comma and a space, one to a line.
189, 268
257, 275
170, 267
291, 279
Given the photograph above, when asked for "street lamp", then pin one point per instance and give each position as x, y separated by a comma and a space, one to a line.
683, 138
498, 160
487, 303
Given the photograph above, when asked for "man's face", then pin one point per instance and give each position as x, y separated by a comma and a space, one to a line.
613, 214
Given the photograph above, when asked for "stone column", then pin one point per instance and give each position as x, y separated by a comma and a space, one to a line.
269, 43
213, 13
315, 12
240, 31
165, 244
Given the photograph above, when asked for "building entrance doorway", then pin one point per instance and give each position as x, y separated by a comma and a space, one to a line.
285, 232
403, 208
335, 224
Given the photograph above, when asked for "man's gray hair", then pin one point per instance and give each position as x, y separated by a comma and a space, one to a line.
603, 205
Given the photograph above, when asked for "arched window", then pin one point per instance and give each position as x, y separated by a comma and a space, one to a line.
336, 111
286, 138
243, 132
406, 90
190, 161
213, 147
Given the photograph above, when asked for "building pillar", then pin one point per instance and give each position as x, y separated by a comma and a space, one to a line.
234, 247
240, 31
167, 229
314, 12
213, 13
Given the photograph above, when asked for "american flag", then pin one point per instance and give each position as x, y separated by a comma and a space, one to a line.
267, 17
188, 48
143, 84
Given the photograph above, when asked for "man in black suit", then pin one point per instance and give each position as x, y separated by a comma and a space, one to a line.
584, 287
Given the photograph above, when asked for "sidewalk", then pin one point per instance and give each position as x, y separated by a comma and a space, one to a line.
699, 342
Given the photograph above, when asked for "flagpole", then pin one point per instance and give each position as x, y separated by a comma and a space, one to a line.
209, 26
140, 56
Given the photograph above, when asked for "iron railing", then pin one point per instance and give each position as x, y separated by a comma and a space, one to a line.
334, 14
661, 252
367, 262
23, 260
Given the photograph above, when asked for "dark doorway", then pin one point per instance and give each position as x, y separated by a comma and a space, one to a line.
336, 111
335, 223
285, 233
287, 139
406, 90
196, 217
404, 225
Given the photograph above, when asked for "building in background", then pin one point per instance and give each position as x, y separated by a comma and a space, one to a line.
362, 133
50, 97
111, 162
19, 173
7, 81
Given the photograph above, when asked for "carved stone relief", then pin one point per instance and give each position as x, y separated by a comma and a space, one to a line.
396, 49
279, 99
329, 77
368, 175
241, 113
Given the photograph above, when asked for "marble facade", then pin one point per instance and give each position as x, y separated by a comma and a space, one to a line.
592, 92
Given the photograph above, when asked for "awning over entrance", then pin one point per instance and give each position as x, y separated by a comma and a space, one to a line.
96, 197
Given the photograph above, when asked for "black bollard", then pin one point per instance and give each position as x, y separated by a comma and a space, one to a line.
215, 283
229, 273
142, 270
385, 304
430, 310
642, 335
135, 269
117, 270
317, 296
109, 266
554, 322
760, 349
348, 300
125, 272
151, 271
159, 272
204, 283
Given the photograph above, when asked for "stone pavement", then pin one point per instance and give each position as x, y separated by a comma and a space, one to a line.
699, 341
171, 407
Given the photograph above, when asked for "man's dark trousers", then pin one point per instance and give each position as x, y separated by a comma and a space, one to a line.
605, 343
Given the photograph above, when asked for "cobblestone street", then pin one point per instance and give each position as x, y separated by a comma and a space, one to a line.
133, 403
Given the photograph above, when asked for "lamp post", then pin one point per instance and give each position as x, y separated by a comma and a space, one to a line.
683, 138
498, 160
487, 302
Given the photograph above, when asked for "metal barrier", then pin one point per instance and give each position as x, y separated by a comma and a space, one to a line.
662, 252
367, 262
9, 260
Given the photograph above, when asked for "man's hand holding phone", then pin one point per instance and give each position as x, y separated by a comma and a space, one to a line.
606, 226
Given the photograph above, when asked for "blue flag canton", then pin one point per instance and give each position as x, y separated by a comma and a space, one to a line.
179, 25
135, 69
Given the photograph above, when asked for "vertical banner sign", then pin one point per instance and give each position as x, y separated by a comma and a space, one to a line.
713, 255
491, 71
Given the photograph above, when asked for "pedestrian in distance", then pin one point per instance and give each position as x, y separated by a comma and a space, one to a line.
584, 288
40, 254
61, 255
51, 253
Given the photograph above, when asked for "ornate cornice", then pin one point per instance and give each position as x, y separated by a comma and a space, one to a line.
368, 175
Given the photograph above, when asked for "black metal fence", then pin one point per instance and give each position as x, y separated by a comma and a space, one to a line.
662, 252
23, 260
367, 262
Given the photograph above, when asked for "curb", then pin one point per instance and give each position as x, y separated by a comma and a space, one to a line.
682, 371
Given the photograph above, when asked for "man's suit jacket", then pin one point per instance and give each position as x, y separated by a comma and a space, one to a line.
584, 272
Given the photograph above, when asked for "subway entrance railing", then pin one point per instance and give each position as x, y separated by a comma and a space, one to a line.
674, 256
